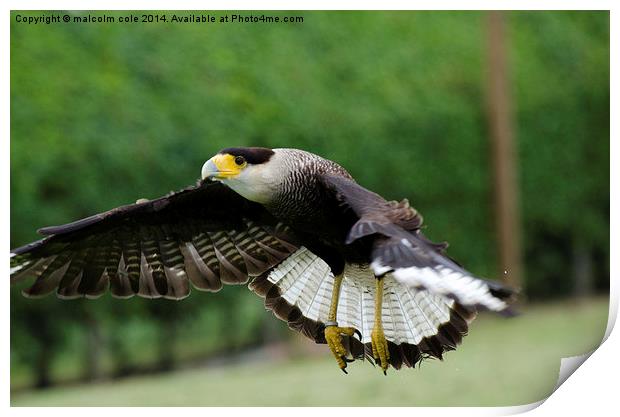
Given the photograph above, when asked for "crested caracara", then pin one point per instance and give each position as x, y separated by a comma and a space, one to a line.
339, 263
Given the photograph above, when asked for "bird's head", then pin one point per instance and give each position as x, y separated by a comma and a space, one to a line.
251, 172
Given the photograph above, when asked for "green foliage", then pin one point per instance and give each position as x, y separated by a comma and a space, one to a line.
103, 114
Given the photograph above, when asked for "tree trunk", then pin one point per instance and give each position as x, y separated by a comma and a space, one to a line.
167, 337
506, 196
122, 364
582, 270
92, 356
42, 369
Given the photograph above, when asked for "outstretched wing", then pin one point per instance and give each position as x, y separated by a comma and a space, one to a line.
204, 235
400, 249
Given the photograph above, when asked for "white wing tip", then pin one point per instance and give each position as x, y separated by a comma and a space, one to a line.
379, 269
466, 289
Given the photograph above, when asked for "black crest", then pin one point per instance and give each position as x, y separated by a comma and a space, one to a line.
252, 155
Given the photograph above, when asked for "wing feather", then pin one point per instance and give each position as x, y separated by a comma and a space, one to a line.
50, 275
152, 265
200, 275
202, 235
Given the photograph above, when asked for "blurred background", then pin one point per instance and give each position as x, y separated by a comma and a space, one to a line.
495, 126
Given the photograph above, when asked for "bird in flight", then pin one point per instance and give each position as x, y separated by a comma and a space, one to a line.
337, 262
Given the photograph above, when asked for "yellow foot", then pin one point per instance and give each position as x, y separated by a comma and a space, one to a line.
333, 336
380, 348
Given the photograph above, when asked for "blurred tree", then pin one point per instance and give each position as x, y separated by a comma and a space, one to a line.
506, 188
37, 335
167, 314
93, 351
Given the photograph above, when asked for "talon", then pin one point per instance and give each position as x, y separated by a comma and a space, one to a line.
380, 350
333, 337
358, 334
344, 370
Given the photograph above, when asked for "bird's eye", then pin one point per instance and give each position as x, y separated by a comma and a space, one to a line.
239, 160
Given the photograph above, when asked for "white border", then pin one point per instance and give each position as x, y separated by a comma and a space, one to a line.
593, 388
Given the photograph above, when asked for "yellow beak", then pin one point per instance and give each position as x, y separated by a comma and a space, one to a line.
220, 167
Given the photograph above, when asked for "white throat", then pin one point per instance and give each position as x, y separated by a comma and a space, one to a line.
260, 183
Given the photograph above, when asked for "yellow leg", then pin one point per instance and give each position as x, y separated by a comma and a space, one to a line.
379, 343
333, 333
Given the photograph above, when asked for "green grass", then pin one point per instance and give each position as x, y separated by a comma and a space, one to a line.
502, 362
